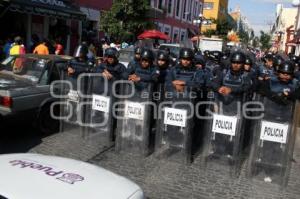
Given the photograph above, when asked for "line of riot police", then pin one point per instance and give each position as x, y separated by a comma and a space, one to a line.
221, 82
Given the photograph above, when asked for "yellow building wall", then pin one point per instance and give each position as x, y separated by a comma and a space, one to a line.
218, 12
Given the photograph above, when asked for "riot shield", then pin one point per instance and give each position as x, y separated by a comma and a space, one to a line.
134, 115
224, 128
174, 126
273, 143
98, 114
71, 112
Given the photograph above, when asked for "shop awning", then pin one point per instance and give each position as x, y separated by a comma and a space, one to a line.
53, 8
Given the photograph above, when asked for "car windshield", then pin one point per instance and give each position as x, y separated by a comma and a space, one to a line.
29, 68
126, 55
174, 50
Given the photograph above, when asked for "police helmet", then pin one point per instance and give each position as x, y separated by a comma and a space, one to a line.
186, 53
248, 61
138, 50
287, 67
111, 52
147, 54
216, 55
238, 57
206, 53
278, 61
199, 59
81, 50
268, 56
162, 55
294, 58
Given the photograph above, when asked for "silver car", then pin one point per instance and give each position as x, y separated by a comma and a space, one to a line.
25, 89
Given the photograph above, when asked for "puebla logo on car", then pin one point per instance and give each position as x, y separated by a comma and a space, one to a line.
70, 178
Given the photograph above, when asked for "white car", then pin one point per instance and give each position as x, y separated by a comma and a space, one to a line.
34, 176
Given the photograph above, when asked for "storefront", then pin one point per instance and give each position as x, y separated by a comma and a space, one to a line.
51, 19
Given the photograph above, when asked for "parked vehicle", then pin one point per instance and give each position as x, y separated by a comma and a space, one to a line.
25, 89
34, 176
211, 44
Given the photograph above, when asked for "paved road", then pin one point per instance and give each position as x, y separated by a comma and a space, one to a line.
159, 178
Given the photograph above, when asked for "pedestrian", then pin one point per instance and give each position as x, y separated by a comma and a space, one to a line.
7, 46
18, 47
59, 48
42, 48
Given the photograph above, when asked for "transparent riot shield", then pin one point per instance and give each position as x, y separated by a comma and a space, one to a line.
71, 111
98, 114
134, 118
273, 143
224, 128
174, 127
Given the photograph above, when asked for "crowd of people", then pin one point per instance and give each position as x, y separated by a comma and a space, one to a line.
230, 72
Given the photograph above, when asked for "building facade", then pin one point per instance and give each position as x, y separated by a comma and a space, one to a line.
55, 19
283, 29
214, 9
175, 17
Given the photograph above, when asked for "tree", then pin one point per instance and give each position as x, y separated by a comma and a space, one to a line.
126, 19
265, 40
223, 26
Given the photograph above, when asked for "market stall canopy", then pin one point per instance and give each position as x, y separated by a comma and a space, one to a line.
54, 8
153, 34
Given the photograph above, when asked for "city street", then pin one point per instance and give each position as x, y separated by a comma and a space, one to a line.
158, 178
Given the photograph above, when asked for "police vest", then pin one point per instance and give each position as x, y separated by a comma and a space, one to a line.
266, 71
185, 74
277, 86
232, 81
116, 69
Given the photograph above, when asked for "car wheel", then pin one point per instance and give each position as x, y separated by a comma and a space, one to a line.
45, 123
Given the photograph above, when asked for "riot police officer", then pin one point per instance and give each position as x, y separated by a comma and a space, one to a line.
111, 68
232, 81
143, 73
281, 88
249, 69
182, 75
163, 65
266, 71
203, 74
80, 63
137, 57
278, 60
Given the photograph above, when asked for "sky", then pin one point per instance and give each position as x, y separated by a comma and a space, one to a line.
260, 13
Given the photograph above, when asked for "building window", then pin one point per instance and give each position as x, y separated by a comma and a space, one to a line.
208, 6
167, 30
178, 8
184, 9
152, 3
170, 7
176, 35
190, 10
182, 35
196, 9
160, 4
